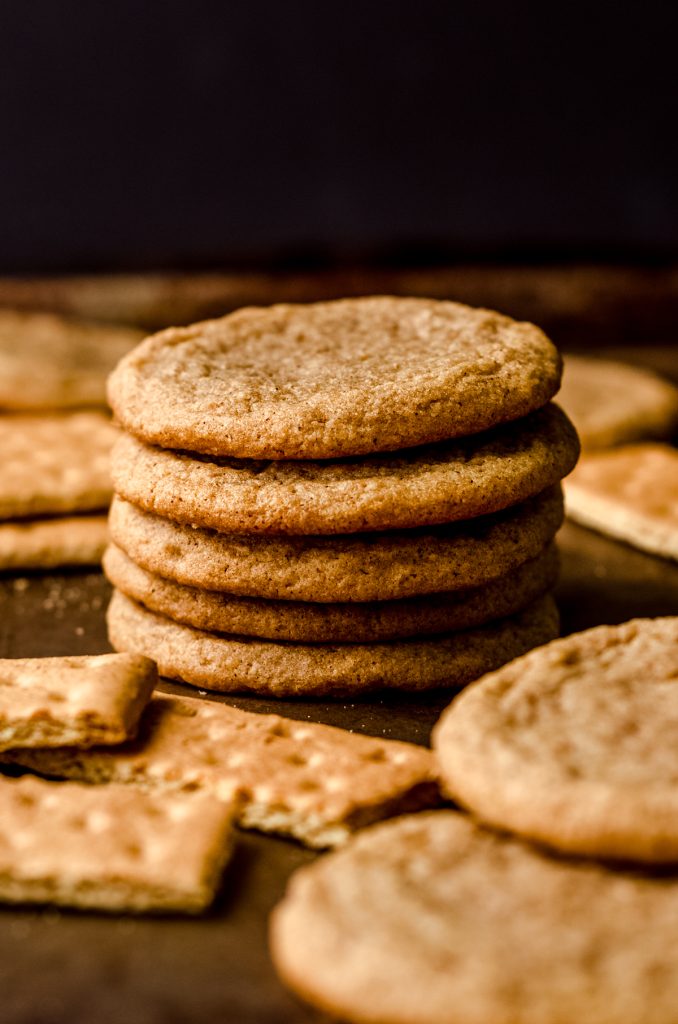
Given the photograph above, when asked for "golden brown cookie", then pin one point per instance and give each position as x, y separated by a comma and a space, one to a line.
612, 403
362, 567
630, 493
243, 664
431, 920
304, 621
333, 378
575, 745
438, 484
50, 362
310, 781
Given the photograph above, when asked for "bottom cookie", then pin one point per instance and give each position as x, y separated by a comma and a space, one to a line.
241, 664
429, 919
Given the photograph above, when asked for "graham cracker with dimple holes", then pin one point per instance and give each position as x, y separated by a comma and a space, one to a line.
629, 493
83, 701
54, 464
48, 543
110, 847
442, 483
313, 782
356, 568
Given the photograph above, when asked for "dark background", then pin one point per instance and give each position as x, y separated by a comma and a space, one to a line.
202, 133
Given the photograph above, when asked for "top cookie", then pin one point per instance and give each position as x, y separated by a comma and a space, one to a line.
333, 378
50, 362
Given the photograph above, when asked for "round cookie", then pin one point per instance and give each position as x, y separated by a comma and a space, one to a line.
438, 484
333, 378
363, 567
575, 745
334, 623
243, 664
611, 403
50, 362
429, 919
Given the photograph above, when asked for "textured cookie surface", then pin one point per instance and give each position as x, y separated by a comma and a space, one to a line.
244, 664
437, 484
311, 781
54, 464
110, 847
333, 378
50, 702
612, 403
47, 543
361, 567
333, 622
429, 919
630, 493
576, 744
49, 362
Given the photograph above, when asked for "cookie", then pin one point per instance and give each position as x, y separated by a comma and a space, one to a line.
48, 543
333, 378
50, 362
430, 919
630, 493
612, 403
80, 701
110, 847
311, 781
439, 484
362, 567
574, 745
54, 464
343, 623
243, 664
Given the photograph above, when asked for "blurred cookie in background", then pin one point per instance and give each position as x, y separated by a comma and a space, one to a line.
611, 403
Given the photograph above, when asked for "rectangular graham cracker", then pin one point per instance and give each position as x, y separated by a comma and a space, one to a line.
630, 493
313, 782
75, 701
48, 543
55, 464
110, 847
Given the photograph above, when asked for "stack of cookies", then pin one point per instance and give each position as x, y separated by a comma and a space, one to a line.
333, 498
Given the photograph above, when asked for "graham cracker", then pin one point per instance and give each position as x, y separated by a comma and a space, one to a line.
53, 362
54, 464
110, 847
79, 701
630, 493
48, 543
313, 782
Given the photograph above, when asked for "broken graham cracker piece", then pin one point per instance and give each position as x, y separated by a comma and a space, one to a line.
78, 701
110, 847
313, 782
629, 493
